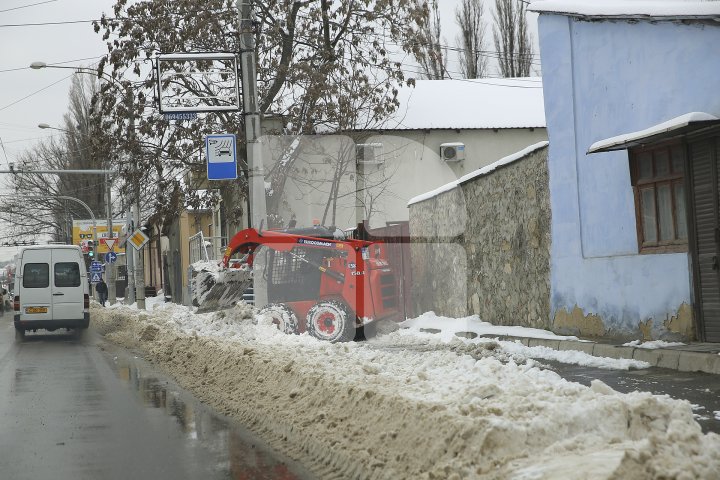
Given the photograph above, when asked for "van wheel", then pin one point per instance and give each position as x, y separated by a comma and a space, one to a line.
19, 334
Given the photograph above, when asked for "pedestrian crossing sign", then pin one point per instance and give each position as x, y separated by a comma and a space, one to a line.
95, 277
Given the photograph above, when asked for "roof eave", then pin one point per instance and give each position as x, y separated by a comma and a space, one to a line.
656, 137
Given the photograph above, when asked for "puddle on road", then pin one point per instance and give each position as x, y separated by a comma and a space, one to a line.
232, 448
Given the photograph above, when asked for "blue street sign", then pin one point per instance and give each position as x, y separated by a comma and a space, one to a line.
95, 278
221, 157
110, 257
96, 266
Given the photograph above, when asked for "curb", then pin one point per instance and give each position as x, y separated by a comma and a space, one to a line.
671, 358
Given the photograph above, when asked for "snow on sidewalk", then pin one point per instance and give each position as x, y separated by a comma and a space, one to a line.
448, 328
415, 405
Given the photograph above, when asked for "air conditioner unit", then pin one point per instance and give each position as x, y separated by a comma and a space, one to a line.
452, 152
369, 153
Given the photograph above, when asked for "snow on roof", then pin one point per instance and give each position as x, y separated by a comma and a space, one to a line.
628, 8
470, 104
479, 172
628, 139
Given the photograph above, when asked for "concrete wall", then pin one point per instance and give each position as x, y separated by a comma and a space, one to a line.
602, 79
484, 247
315, 161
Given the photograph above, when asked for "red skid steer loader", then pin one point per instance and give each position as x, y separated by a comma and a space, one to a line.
317, 283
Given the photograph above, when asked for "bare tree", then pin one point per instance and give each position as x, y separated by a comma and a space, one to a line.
35, 209
512, 39
432, 55
471, 39
324, 66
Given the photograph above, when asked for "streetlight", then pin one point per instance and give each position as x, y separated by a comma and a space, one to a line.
111, 276
136, 281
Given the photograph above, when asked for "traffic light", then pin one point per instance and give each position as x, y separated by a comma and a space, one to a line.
91, 249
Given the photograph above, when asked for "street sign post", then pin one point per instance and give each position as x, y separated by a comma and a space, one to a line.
96, 266
109, 243
110, 257
95, 277
221, 154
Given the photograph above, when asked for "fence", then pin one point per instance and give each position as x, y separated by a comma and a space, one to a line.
201, 248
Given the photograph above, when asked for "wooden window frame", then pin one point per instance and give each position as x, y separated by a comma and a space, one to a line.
672, 178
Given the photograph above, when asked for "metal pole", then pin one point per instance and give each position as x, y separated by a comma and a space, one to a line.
130, 262
140, 264
252, 114
110, 267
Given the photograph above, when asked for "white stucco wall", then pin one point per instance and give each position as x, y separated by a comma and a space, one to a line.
414, 165
601, 79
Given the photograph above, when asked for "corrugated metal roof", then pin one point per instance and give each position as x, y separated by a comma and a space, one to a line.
486, 103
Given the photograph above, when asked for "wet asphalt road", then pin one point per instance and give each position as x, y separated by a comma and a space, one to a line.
83, 409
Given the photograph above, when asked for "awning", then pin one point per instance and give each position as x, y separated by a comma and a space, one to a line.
684, 124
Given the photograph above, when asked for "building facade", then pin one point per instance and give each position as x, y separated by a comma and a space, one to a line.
623, 240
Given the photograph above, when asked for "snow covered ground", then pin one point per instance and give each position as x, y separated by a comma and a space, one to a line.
410, 404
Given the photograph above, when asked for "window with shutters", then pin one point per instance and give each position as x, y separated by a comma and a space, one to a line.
658, 178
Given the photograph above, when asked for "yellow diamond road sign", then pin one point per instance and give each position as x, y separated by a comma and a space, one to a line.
138, 239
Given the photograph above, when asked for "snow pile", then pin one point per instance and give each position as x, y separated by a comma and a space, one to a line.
406, 407
653, 344
451, 326
448, 330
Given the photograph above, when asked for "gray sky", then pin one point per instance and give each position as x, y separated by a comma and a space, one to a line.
29, 97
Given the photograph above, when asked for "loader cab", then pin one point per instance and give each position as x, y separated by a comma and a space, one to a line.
291, 276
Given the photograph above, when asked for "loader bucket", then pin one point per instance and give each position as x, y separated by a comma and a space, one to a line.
214, 289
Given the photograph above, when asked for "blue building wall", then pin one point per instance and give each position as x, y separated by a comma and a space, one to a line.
602, 79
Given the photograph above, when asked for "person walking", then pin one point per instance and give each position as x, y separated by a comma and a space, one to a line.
102, 290
3, 292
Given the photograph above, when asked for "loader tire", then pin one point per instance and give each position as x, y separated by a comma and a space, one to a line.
282, 316
331, 322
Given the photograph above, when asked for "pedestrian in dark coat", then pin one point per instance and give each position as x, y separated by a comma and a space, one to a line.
101, 289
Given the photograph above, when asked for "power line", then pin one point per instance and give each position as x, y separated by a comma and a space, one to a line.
43, 24
34, 93
26, 6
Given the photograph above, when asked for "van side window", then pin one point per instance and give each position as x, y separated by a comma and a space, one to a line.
36, 275
67, 274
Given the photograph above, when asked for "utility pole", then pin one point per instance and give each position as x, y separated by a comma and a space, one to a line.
256, 173
130, 261
140, 264
110, 273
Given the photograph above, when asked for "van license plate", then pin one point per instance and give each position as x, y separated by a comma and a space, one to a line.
36, 310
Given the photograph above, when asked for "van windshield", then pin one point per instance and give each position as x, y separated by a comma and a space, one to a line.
67, 274
36, 275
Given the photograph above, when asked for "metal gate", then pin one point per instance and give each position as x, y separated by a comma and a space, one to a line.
703, 156
396, 235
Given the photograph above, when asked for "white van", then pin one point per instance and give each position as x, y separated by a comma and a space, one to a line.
51, 289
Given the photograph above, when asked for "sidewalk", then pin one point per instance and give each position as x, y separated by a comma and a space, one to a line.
694, 357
